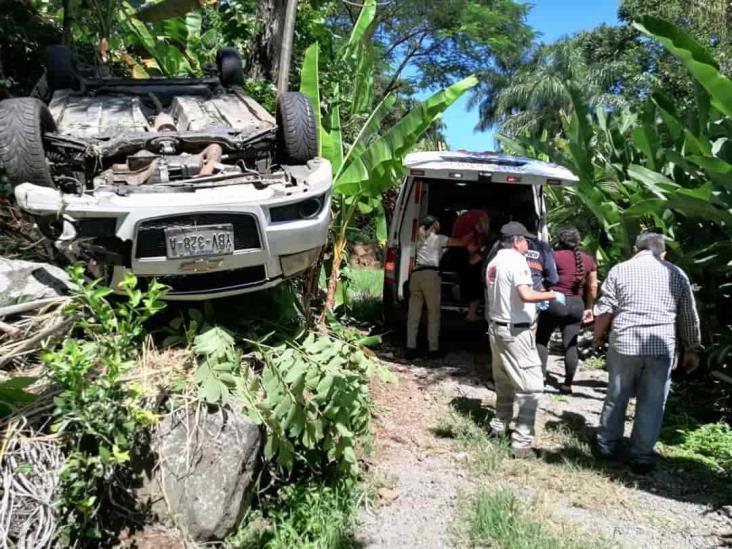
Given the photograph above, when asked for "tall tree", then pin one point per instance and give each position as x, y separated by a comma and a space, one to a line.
612, 66
430, 44
265, 58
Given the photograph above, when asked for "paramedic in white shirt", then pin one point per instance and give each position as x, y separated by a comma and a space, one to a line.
425, 284
511, 314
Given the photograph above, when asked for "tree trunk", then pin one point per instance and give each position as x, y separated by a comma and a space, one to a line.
339, 248
68, 21
265, 59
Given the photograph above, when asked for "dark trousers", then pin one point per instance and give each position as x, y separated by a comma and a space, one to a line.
568, 318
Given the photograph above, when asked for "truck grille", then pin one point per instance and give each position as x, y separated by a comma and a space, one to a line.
151, 234
209, 282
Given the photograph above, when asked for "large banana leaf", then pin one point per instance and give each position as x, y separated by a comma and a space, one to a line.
368, 130
372, 172
310, 86
697, 60
655, 182
363, 86
363, 24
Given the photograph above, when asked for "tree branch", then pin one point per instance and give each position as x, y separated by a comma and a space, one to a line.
401, 41
405, 61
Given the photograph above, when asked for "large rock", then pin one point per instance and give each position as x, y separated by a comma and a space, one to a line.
22, 281
206, 473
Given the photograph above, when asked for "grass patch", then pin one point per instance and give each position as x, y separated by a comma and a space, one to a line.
594, 362
313, 515
486, 454
364, 294
690, 433
494, 517
497, 518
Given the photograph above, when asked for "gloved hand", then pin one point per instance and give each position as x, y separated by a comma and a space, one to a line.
559, 297
542, 305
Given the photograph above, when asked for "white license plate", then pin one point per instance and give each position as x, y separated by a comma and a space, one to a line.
199, 241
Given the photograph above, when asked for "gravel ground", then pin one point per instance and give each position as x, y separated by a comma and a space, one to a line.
422, 476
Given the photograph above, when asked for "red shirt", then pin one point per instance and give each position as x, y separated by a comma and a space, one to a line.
567, 270
466, 222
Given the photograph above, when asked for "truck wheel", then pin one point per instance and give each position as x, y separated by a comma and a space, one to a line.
231, 70
296, 127
23, 123
60, 69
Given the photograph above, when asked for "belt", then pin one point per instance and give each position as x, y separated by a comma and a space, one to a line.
425, 268
515, 325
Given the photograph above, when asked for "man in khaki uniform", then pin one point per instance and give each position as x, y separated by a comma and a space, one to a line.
425, 284
511, 310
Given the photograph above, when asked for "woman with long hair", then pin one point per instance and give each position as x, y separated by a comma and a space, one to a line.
425, 283
578, 282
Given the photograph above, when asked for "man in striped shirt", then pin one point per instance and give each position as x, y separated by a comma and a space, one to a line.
647, 303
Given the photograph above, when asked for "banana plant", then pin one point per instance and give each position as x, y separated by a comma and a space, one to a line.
663, 167
366, 167
175, 46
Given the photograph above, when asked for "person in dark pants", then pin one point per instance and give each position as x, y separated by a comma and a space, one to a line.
469, 258
577, 280
647, 305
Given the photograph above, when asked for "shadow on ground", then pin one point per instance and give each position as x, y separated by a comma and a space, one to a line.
679, 478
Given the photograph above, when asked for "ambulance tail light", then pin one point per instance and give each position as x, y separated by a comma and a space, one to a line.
390, 261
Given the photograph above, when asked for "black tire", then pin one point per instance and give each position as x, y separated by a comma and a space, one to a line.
298, 134
23, 123
60, 69
231, 70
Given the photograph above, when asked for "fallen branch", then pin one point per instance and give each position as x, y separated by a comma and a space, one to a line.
12, 331
33, 343
19, 308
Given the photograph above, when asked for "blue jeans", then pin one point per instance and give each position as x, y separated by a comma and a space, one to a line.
649, 379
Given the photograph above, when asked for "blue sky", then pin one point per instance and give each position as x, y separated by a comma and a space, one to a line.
553, 19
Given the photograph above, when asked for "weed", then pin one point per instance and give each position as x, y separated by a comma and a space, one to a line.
692, 433
594, 362
311, 514
497, 518
487, 454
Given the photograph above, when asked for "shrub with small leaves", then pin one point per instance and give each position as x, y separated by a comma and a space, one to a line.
95, 411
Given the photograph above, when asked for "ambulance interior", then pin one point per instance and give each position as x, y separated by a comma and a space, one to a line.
446, 199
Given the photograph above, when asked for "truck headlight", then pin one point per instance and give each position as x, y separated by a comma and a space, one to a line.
296, 263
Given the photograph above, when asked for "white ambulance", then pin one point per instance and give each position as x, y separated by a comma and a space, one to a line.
447, 183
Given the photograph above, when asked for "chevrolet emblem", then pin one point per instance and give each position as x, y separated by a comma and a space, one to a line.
200, 265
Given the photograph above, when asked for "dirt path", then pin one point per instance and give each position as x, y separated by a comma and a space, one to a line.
423, 476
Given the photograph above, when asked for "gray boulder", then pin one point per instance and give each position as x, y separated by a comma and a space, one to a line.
207, 468
22, 281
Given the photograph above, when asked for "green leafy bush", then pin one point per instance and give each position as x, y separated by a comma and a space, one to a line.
314, 402
310, 394
95, 411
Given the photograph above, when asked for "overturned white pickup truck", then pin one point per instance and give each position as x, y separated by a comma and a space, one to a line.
188, 180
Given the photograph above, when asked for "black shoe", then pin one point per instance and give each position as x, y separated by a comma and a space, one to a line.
411, 354
436, 354
565, 389
602, 454
642, 467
